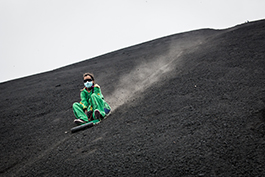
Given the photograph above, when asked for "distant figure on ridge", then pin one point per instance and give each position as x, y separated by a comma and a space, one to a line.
92, 105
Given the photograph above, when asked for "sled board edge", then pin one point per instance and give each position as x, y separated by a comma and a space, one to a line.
82, 127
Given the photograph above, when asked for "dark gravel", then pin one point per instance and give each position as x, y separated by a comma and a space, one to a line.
190, 104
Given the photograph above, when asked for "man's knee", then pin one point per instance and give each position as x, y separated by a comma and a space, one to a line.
75, 105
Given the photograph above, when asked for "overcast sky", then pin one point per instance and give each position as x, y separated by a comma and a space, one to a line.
42, 35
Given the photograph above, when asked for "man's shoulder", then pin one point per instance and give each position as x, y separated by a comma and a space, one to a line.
96, 86
84, 91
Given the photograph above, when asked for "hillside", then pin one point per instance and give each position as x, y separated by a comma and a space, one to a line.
189, 104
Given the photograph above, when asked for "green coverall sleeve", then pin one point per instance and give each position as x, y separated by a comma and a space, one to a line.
84, 99
97, 91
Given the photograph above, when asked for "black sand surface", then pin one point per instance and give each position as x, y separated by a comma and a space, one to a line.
190, 104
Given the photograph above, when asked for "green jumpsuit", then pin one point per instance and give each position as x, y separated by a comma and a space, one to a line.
91, 101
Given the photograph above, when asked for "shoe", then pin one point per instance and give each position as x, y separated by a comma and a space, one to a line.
89, 115
79, 121
97, 114
107, 111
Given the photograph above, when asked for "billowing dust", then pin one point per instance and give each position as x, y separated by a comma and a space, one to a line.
146, 74
141, 78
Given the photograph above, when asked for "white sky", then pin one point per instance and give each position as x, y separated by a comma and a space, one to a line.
41, 35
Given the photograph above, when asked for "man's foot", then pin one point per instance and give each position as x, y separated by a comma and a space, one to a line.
97, 114
89, 115
79, 121
107, 111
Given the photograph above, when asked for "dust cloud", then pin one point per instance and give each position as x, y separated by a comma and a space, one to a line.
145, 74
142, 77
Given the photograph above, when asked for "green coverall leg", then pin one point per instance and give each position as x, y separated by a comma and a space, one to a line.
98, 103
79, 112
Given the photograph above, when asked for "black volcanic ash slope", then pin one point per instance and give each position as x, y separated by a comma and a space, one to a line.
190, 104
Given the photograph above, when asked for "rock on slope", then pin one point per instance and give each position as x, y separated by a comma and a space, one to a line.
190, 104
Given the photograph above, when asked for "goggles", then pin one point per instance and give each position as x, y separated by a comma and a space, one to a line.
88, 80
